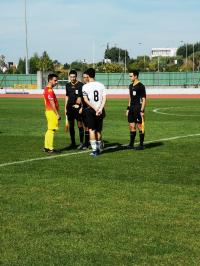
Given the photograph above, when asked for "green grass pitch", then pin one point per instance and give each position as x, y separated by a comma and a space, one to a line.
124, 207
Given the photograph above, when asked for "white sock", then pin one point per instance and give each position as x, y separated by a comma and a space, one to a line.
93, 145
98, 144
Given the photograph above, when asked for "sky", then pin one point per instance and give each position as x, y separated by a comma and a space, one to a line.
71, 30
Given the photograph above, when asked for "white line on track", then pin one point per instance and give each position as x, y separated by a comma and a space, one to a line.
157, 110
50, 157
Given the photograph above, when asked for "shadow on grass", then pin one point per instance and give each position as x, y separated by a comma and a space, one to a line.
68, 148
110, 147
153, 145
114, 147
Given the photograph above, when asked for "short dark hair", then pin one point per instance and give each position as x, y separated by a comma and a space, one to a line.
51, 76
73, 72
90, 72
135, 72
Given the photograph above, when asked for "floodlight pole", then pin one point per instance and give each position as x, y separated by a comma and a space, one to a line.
193, 58
158, 63
26, 32
125, 63
193, 63
186, 52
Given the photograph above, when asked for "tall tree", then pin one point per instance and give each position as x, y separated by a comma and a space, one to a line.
66, 66
2, 63
21, 67
77, 65
116, 54
57, 64
45, 63
34, 64
196, 61
182, 49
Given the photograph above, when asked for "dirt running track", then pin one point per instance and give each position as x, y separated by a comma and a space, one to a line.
112, 96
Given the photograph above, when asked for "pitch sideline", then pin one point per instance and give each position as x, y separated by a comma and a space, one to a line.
80, 152
157, 111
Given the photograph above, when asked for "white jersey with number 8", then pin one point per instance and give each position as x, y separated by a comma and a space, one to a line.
94, 91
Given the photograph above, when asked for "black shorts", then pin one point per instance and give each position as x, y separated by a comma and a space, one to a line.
73, 113
94, 122
84, 117
134, 115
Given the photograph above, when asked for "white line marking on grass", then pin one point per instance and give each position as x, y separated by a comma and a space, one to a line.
80, 152
48, 157
173, 138
157, 110
167, 139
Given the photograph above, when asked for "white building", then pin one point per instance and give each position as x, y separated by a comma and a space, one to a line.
107, 61
165, 52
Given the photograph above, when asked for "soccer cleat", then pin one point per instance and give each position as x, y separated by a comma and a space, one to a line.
140, 148
94, 153
80, 147
45, 150
72, 146
130, 147
88, 146
85, 147
53, 151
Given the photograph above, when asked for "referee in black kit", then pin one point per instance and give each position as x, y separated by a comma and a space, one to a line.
136, 109
73, 106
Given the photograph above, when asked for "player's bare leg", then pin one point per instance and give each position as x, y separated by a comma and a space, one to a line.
99, 141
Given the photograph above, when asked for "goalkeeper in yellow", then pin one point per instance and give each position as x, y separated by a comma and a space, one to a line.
136, 109
51, 112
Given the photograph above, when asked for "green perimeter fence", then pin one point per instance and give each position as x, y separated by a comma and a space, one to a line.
18, 81
184, 79
152, 78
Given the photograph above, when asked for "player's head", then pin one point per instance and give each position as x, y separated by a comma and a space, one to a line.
133, 74
85, 77
90, 72
53, 79
72, 75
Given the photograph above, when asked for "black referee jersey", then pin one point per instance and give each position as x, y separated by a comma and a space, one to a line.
73, 91
136, 92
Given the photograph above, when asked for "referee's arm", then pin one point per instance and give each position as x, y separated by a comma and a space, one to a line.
128, 107
143, 104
